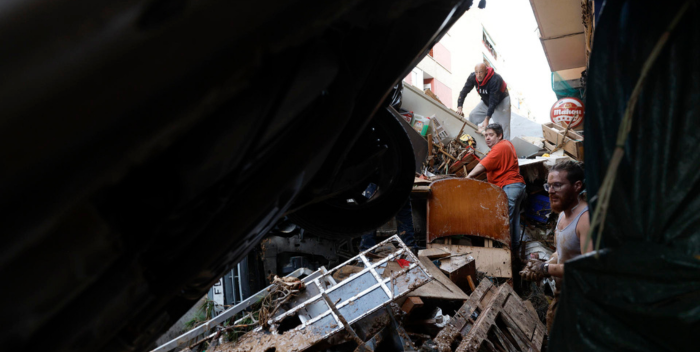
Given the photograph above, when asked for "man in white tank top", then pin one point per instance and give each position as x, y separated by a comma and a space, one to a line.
564, 185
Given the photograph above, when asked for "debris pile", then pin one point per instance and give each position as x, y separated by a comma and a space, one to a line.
563, 138
384, 299
458, 157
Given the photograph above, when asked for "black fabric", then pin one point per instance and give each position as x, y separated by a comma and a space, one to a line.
490, 94
639, 297
643, 292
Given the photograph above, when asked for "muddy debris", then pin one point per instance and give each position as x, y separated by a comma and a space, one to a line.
357, 306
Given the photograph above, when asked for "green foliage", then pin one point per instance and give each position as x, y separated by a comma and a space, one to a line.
204, 314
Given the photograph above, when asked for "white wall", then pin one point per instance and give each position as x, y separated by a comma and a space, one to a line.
415, 100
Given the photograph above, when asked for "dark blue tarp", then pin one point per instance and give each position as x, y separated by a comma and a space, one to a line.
643, 292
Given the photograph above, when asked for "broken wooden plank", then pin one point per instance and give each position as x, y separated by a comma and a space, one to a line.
466, 160
531, 347
494, 262
502, 307
420, 192
472, 341
454, 327
531, 308
433, 253
518, 340
521, 315
441, 287
489, 346
447, 154
487, 298
505, 340
430, 150
516, 306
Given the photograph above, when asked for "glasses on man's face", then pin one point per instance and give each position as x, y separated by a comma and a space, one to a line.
556, 186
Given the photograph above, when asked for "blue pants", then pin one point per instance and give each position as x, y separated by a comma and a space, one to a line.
404, 227
516, 194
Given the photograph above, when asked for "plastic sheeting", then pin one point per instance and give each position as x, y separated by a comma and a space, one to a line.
563, 89
643, 292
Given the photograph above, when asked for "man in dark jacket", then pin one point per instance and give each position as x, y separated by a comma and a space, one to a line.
495, 101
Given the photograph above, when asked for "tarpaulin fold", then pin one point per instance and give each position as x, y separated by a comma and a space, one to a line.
643, 292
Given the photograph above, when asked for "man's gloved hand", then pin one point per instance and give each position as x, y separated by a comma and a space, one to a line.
534, 271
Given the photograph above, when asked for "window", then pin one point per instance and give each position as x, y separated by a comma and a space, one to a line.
428, 83
488, 62
417, 78
488, 43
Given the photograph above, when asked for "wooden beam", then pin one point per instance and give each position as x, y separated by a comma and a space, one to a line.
433, 253
447, 154
430, 150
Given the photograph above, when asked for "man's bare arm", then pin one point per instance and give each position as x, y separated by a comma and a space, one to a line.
556, 270
584, 224
478, 170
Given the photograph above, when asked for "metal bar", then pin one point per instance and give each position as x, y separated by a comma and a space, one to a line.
219, 319
328, 310
371, 268
240, 286
562, 36
340, 317
376, 276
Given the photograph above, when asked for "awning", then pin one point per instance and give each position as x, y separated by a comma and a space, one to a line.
562, 34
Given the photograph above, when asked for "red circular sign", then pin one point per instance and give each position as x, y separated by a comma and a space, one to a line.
566, 110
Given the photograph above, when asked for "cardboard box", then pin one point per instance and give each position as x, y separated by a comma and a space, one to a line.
554, 134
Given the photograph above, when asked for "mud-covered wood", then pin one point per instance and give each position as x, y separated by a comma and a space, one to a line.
433, 253
521, 315
494, 262
455, 326
472, 341
441, 287
524, 331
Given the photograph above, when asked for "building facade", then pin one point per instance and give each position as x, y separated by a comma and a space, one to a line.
446, 68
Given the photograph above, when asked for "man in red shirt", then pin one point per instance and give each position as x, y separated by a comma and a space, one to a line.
501, 167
